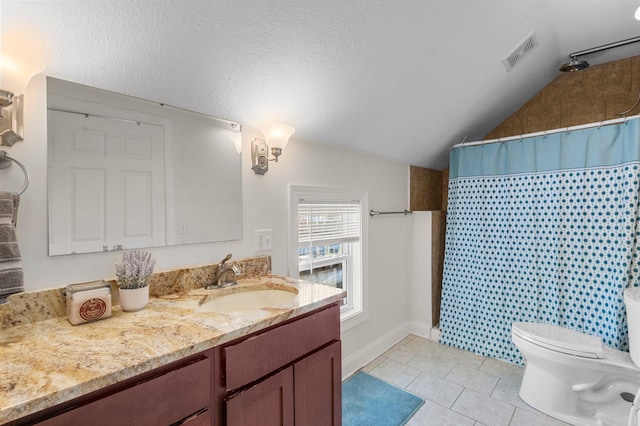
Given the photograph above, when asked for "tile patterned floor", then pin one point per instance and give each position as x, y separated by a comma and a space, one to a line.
460, 388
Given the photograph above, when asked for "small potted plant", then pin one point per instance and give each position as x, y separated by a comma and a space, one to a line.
133, 279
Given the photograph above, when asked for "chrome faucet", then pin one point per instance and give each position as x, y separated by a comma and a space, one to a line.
225, 275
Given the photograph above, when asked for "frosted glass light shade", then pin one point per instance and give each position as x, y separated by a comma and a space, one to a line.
17, 67
277, 134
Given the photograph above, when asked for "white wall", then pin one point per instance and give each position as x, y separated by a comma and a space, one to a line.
265, 201
420, 309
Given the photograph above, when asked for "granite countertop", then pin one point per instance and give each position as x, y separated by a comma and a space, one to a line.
48, 362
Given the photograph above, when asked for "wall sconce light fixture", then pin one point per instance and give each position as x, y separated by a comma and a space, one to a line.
16, 69
276, 136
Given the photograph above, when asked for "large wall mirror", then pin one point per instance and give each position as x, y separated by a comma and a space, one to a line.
128, 173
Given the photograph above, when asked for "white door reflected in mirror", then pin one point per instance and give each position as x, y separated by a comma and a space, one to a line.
127, 173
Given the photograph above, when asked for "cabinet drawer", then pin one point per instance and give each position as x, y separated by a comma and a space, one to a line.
259, 355
161, 400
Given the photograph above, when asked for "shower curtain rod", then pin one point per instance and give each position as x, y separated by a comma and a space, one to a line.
548, 132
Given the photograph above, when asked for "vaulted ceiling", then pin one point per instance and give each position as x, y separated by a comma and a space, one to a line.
403, 79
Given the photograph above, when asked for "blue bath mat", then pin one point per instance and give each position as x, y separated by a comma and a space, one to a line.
367, 401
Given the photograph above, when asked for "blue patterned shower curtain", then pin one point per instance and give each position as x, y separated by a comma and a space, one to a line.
541, 229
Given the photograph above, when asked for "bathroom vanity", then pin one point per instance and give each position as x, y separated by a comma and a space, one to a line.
263, 366
287, 375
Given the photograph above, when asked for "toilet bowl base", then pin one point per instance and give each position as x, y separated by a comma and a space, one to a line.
600, 405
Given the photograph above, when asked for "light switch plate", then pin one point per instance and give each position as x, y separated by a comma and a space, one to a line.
263, 239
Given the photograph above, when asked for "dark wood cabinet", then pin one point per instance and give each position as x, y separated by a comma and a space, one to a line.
247, 359
305, 393
318, 388
287, 374
267, 403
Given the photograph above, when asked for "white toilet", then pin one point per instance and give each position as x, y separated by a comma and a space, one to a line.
575, 378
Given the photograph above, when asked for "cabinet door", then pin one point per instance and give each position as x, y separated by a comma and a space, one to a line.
200, 418
269, 402
318, 388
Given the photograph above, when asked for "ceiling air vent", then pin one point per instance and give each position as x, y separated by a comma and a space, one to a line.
520, 52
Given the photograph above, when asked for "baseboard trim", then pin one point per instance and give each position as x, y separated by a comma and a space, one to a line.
435, 333
356, 361
425, 330
420, 329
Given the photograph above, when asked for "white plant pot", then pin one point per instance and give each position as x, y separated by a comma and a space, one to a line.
134, 299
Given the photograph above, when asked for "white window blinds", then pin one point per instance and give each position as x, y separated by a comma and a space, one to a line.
324, 223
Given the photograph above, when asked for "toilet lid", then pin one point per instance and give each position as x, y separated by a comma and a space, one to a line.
560, 339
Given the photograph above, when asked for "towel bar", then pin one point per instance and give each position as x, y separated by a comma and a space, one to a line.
5, 161
377, 213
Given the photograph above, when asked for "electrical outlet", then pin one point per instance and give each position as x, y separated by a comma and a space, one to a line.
263, 239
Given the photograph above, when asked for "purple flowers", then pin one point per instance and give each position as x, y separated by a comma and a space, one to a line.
135, 269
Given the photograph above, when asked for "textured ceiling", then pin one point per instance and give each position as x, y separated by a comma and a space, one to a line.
402, 79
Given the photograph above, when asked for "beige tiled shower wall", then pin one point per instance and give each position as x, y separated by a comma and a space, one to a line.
598, 93
426, 185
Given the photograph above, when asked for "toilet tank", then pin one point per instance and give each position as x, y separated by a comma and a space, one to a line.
632, 302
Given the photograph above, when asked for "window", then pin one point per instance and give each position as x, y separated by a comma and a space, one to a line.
327, 241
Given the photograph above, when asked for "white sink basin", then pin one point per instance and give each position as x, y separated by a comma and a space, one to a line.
247, 300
